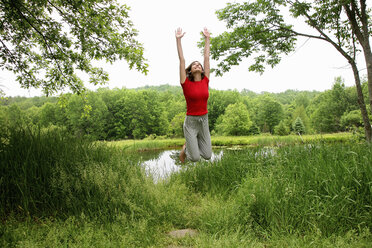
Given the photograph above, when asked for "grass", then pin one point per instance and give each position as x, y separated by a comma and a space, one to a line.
294, 189
223, 141
59, 191
143, 145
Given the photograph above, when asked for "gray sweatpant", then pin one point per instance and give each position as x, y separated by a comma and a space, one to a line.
198, 138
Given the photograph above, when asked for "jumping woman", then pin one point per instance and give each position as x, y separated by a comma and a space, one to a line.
195, 84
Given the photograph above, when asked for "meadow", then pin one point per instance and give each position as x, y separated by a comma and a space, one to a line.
60, 191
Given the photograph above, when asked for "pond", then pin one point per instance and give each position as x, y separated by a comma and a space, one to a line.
161, 164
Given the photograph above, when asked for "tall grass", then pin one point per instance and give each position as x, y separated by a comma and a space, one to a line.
51, 173
274, 140
57, 190
295, 189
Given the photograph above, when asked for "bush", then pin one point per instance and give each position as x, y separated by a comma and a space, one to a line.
254, 130
281, 129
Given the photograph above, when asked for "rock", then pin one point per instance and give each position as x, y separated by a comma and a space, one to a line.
183, 233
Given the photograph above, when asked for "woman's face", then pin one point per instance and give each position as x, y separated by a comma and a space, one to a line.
196, 67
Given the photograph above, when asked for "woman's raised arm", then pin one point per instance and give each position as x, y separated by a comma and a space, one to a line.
179, 35
206, 52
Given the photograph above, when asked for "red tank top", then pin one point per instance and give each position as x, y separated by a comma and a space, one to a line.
196, 95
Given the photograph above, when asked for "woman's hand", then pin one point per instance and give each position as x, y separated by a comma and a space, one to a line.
206, 52
206, 33
179, 33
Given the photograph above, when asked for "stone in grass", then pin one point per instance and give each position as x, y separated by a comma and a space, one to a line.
183, 233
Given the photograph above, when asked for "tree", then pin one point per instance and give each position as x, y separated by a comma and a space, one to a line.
218, 102
298, 126
258, 29
15, 116
281, 129
176, 125
138, 113
96, 119
302, 100
351, 119
110, 98
45, 42
48, 114
33, 114
157, 121
235, 120
301, 113
254, 129
328, 108
267, 113
74, 112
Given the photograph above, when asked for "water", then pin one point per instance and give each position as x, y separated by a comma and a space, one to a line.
167, 162
160, 164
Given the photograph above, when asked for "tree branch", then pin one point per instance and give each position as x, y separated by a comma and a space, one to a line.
44, 38
326, 37
306, 35
338, 25
355, 9
61, 12
78, 10
15, 61
301, 34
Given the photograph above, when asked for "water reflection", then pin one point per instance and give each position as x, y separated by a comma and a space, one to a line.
167, 162
161, 164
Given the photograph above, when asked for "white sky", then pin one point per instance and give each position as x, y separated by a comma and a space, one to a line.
313, 66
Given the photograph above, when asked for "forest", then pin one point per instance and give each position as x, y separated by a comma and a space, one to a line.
159, 111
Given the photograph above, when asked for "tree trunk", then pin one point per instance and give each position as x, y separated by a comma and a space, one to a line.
362, 34
368, 58
362, 105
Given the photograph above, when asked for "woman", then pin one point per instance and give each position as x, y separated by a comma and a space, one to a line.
195, 82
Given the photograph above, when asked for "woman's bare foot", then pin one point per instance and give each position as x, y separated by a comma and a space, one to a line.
183, 154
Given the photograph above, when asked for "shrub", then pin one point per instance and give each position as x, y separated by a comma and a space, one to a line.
281, 129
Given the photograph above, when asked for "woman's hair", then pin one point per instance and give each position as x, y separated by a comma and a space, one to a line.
189, 74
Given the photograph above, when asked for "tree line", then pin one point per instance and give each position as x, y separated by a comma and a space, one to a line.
114, 114
45, 43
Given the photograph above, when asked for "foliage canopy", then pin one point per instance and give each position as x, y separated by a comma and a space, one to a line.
46, 43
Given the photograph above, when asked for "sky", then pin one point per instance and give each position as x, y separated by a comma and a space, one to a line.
313, 66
